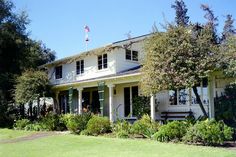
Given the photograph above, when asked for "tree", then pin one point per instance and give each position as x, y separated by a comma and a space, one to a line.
31, 85
212, 21
17, 51
181, 10
228, 29
178, 58
227, 56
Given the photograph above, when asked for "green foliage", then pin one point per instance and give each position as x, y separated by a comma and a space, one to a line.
21, 124
178, 58
77, 123
208, 132
145, 127
225, 106
98, 125
121, 129
228, 29
17, 53
51, 121
172, 131
181, 10
37, 126
227, 56
31, 85
141, 106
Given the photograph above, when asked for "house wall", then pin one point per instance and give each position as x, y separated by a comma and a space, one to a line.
90, 70
121, 62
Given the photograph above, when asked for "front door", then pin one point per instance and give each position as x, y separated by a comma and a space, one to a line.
127, 101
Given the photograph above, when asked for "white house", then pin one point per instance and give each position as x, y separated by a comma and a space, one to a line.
104, 80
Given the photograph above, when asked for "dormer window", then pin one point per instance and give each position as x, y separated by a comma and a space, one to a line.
80, 67
58, 73
131, 55
102, 61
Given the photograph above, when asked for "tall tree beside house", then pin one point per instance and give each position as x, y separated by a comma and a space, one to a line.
17, 51
31, 85
229, 28
178, 58
212, 21
181, 10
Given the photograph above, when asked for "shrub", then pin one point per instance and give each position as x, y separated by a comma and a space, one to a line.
51, 122
77, 123
98, 125
141, 106
121, 129
122, 134
208, 132
21, 124
35, 127
145, 127
172, 131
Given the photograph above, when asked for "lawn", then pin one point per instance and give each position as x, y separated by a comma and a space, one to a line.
6, 134
76, 146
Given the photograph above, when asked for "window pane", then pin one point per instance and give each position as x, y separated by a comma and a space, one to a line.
78, 67
135, 55
82, 66
99, 62
105, 61
128, 54
58, 72
194, 100
173, 97
183, 96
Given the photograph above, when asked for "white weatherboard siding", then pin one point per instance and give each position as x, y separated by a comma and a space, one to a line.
90, 70
122, 63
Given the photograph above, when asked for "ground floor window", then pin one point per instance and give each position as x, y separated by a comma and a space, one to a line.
187, 96
129, 94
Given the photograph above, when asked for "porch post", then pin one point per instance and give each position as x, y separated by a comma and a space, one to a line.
211, 87
111, 102
56, 103
79, 100
152, 103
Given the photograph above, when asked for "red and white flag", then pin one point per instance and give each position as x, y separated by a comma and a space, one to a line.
86, 28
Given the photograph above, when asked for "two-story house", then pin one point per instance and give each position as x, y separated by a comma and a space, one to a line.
104, 81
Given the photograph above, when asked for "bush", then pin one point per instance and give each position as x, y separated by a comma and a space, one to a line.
141, 106
98, 125
145, 127
21, 124
121, 129
208, 132
77, 123
172, 131
35, 127
52, 122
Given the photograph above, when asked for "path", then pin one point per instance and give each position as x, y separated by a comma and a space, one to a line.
29, 137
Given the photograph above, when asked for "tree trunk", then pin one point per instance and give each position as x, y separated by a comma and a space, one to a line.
199, 101
30, 110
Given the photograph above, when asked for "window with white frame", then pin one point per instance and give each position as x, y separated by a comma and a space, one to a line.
131, 55
102, 61
187, 96
80, 67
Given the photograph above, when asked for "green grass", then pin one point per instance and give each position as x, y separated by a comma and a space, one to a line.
11, 134
76, 146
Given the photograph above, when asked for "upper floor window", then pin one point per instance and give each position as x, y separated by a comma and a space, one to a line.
102, 61
80, 67
58, 72
131, 55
